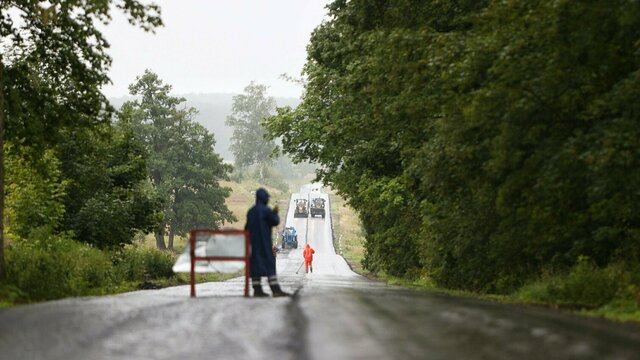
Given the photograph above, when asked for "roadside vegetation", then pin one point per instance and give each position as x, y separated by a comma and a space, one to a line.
611, 293
83, 181
107, 208
77, 209
487, 146
54, 267
48, 267
348, 237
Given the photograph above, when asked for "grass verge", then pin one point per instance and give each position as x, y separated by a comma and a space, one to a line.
348, 237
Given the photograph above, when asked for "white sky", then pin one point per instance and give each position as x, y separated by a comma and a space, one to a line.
216, 46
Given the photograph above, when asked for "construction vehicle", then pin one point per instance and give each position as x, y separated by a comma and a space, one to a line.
289, 238
301, 210
317, 207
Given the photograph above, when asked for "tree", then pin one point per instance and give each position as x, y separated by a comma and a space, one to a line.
109, 197
482, 143
183, 167
248, 142
198, 198
53, 67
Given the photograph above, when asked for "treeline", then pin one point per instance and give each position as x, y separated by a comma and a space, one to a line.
82, 179
150, 168
484, 144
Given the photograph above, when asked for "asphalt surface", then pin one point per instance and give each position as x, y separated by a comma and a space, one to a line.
335, 314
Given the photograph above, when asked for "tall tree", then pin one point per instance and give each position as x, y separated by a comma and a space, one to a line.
52, 67
248, 143
198, 199
183, 167
483, 143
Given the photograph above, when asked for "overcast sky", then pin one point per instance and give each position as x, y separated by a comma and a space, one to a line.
209, 46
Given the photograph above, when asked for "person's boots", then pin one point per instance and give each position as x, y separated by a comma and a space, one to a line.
258, 292
276, 291
311, 269
257, 288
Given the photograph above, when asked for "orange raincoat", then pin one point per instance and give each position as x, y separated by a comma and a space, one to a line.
308, 258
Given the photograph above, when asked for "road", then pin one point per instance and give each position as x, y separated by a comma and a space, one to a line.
335, 314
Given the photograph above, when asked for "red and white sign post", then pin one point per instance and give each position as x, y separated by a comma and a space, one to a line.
220, 245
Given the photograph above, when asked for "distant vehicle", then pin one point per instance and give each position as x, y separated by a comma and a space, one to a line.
289, 237
302, 209
317, 207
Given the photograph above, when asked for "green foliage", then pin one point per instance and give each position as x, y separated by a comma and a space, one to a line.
183, 168
109, 197
9, 295
56, 63
482, 143
248, 142
34, 192
49, 267
584, 285
142, 263
52, 67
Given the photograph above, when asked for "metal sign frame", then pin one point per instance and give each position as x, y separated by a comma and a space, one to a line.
246, 258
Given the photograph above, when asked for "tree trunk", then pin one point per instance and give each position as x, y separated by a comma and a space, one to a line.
2, 111
171, 236
160, 238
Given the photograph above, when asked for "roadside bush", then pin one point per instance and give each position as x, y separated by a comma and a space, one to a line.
143, 263
584, 286
9, 295
49, 267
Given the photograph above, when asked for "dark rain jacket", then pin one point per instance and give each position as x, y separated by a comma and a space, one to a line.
260, 220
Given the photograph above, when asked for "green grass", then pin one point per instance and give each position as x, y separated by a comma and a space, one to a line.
348, 240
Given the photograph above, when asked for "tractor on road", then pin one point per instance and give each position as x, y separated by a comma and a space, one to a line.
302, 209
317, 207
289, 238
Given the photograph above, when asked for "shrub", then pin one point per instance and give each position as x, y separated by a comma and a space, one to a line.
9, 294
584, 285
143, 263
49, 267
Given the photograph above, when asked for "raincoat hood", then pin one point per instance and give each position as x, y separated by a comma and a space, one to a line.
262, 196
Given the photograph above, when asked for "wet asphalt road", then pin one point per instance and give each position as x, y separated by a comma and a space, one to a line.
335, 314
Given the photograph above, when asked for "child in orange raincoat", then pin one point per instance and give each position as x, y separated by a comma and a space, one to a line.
308, 258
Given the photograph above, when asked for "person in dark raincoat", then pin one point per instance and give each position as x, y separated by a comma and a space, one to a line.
260, 220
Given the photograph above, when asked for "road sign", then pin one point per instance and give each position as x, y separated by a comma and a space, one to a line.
216, 251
